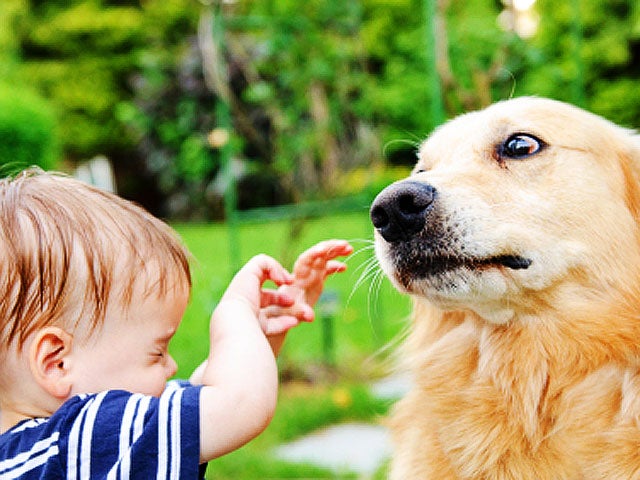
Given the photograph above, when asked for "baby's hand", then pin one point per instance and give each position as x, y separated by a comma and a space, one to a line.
314, 266
310, 271
246, 285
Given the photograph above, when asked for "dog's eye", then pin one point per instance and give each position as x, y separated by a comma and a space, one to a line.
420, 168
520, 146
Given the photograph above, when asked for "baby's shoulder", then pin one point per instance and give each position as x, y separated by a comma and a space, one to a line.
93, 431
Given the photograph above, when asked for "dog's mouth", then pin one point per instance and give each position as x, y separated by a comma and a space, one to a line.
514, 262
422, 266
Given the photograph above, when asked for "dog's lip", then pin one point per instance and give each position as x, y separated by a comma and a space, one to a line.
440, 264
514, 262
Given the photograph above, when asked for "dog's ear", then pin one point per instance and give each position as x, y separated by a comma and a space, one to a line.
629, 158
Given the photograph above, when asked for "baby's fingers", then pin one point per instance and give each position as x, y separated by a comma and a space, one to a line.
247, 283
270, 269
299, 310
262, 268
321, 253
275, 298
279, 325
333, 266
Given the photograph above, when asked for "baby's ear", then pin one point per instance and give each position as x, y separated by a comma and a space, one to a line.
48, 360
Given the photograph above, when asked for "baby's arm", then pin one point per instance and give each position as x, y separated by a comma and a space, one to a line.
240, 377
310, 271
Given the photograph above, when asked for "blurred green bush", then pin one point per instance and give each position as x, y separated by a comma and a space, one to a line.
316, 94
27, 130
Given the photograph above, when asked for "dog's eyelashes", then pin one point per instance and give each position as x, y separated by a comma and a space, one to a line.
520, 146
420, 169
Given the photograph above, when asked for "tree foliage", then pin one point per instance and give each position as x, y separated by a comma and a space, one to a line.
90, 58
298, 80
322, 93
594, 45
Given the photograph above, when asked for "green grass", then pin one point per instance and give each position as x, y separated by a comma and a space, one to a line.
302, 408
322, 387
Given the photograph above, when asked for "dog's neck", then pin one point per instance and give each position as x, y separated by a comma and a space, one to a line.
529, 360
577, 327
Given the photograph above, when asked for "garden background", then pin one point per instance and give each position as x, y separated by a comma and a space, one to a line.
267, 125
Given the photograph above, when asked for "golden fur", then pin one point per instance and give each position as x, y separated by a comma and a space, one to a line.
521, 371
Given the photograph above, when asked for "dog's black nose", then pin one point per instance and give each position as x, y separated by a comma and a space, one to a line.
400, 210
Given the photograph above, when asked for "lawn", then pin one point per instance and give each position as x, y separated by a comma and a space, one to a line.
325, 366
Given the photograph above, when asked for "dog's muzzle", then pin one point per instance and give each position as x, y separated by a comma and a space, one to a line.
400, 210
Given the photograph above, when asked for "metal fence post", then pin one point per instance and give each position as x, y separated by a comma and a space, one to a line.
435, 88
328, 305
223, 120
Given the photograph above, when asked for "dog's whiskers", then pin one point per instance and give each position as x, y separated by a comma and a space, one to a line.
414, 143
358, 252
369, 268
370, 272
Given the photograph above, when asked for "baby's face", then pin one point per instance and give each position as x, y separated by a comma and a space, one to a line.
130, 352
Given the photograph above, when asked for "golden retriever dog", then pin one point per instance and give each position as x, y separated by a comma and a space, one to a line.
518, 238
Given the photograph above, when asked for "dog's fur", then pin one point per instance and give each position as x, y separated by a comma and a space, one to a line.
525, 345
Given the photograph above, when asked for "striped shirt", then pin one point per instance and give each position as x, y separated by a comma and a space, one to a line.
112, 435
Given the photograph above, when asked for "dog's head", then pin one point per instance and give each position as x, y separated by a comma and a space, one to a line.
525, 199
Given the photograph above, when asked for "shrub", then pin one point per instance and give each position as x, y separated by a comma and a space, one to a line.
27, 130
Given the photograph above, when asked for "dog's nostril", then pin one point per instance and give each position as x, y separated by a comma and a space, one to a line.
411, 204
379, 217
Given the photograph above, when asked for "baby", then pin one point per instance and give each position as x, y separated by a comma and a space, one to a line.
92, 289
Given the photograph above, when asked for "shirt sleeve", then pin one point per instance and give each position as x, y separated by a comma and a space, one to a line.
117, 435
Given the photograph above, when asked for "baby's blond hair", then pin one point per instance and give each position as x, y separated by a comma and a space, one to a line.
66, 248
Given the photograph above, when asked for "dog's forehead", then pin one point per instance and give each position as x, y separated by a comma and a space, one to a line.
546, 119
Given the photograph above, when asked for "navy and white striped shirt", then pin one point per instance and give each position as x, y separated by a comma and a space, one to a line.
113, 435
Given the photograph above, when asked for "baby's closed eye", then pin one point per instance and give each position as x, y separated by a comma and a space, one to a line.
157, 356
